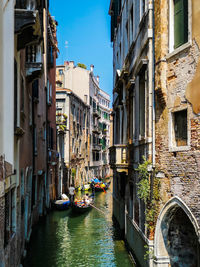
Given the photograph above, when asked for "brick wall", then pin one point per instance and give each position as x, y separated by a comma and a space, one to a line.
172, 76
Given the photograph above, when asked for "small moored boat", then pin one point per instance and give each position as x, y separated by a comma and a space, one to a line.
61, 204
86, 187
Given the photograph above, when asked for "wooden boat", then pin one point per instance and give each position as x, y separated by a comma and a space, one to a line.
86, 187
81, 206
61, 204
100, 187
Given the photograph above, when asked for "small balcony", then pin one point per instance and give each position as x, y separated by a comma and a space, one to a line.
104, 132
34, 66
119, 158
27, 23
96, 113
96, 129
96, 147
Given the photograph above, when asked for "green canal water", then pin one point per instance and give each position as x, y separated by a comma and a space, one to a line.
63, 239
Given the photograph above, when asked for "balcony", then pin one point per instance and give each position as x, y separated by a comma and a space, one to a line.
61, 122
34, 66
27, 23
104, 132
96, 129
119, 158
96, 113
96, 163
96, 147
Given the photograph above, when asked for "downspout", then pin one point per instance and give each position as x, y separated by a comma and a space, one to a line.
152, 103
153, 97
152, 76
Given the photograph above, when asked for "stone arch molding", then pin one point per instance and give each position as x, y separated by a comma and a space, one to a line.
166, 214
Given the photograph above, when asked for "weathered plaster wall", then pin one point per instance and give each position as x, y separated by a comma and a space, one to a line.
193, 89
176, 81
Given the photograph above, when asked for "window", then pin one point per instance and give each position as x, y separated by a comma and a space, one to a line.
35, 89
95, 156
142, 104
22, 94
180, 128
22, 192
127, 35
80, 146
35, 140
73, 145
7, 219
15, 95
180, 22
85, 98
131, 24
60, 71
30, 111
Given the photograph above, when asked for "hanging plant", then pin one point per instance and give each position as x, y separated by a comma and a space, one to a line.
149, 193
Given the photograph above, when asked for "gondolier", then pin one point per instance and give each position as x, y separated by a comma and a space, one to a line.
71, 193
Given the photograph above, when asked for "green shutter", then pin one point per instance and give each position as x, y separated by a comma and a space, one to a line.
180, 22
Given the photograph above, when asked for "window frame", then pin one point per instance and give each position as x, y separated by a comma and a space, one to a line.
171, 29
172, 139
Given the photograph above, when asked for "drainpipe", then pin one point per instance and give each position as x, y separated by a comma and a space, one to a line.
152, 96
152, 77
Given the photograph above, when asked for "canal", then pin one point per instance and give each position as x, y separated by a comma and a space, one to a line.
63, 239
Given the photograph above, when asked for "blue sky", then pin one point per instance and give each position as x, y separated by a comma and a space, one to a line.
85, 25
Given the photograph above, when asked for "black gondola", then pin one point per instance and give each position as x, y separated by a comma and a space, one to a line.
81, 207
100, 188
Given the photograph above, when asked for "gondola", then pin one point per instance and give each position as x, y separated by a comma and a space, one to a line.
61, 204
102, 187
81, 207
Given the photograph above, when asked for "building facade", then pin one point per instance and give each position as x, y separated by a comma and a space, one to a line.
73, 138
177, 134
25, 182
156, 129
82, 83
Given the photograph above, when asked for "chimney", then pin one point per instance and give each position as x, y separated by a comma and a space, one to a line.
91, 68
71, 64
97, 78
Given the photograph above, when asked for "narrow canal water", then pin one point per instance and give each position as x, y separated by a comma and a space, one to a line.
63, 239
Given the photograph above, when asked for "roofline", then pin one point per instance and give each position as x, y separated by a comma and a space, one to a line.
109, 12
72, 93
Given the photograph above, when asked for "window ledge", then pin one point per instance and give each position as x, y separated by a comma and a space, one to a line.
180, 148
179, 50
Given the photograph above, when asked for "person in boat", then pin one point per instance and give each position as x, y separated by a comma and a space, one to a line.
86, 199
71, 193
92, 186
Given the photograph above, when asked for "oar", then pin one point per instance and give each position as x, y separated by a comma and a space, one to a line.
97, 208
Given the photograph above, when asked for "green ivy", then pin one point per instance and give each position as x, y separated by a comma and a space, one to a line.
150, 197
81, 65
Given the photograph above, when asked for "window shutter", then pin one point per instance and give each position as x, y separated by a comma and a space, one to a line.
180, 22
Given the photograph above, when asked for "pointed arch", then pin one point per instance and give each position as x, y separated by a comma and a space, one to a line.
164, 220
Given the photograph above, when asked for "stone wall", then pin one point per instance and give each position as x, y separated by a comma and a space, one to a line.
178, 165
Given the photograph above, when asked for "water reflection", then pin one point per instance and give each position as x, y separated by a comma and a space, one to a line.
63, 239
